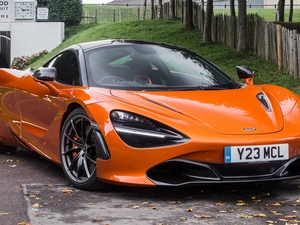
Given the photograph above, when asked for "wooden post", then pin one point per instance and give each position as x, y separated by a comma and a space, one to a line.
267, 47
96, 12
114, 15
295, 54
279, 53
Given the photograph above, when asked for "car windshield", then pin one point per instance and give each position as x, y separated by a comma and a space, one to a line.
153, 67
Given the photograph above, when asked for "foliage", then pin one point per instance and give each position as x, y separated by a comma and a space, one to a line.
67, 11
174, 32
43, 3
23, 61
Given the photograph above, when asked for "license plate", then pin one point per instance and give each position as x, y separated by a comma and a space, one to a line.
256, 153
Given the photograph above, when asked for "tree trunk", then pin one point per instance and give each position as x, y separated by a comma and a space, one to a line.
202, 16
280, 11
189, 13
291, 10
232, 8
152, 11
242, 19
208, 21
145, 9
172, 9
159, 10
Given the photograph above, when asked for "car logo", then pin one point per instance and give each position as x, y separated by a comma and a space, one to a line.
249, 129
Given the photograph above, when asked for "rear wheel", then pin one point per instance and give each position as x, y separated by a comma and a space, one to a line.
78, 152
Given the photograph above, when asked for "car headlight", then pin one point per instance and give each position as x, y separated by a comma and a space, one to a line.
141, 132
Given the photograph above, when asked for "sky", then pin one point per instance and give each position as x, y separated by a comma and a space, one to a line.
95, 1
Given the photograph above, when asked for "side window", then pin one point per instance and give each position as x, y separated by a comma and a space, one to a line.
67, 68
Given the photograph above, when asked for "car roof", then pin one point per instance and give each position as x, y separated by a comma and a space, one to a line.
96, 44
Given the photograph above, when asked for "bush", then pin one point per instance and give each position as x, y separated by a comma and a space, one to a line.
67, 11
20, 63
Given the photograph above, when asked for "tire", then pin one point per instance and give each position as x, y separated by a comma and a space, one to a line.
6, 148
78, 152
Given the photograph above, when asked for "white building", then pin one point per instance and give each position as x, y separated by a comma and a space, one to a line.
24, 29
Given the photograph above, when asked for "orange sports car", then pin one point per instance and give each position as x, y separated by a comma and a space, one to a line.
139, 113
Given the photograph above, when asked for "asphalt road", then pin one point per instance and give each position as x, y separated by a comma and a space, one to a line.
34, 191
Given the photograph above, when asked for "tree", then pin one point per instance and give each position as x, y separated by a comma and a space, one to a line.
291, 10
189, 13
152, 11
145, 9
242, 31
232, 8
172, 9
280, 10
159, 10
208, 20
67, 11
43, 3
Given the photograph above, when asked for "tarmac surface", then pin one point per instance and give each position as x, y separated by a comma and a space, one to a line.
35, 191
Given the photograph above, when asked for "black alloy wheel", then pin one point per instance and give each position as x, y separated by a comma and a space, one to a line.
78, 151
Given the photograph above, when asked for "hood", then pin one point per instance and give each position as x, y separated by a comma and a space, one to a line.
240, 111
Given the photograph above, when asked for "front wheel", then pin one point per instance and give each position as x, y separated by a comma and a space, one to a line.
78, 151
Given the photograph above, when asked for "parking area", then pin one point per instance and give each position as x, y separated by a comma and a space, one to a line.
34, 191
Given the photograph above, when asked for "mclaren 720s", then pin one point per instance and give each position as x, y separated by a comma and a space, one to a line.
138, 113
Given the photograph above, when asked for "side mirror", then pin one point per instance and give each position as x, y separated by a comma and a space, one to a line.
45, 74
245, 73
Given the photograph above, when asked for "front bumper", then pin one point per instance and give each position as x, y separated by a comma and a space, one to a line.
181, 172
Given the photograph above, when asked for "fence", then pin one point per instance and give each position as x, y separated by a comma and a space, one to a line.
274, 42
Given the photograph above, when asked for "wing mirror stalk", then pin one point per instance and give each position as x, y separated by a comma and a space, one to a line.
45, 76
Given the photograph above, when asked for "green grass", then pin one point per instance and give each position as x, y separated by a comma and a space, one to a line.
173, 32
268, 14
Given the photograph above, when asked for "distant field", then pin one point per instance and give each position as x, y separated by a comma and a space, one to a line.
268, 14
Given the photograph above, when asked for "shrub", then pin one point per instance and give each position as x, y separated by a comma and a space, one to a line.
21, 62
67, 11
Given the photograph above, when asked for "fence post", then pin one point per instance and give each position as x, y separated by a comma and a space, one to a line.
279, 52
267, 48
96, 12
114, 19
295, 54
138, 14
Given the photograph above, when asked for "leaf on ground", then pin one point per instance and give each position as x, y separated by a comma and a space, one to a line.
183, 218
152, 207
246, 217
67, 191
283, 220
189, 210
240, 203
260, 215
145, 203
220, 204
174, 202
12, 166
4, 213
135, 207
298, 200
97, 220
276, 213
37, 205
270, 221
276, 204
290, 217
202, 216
